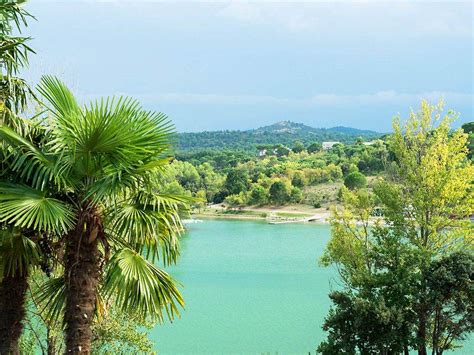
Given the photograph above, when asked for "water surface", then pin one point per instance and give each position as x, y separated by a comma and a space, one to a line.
251, 287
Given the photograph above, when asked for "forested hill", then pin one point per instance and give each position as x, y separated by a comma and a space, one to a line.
285, 133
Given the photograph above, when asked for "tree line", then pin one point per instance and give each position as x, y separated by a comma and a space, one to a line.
242, 178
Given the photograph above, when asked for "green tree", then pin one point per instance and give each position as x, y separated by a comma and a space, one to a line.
469, 129
97, 171
236, 181
174, 188
122, 333
282, 151
258, 195
298, 179
14, 51
238, 200
314, 147
314, 199
211, 181
451, 298
296, 195
355, 180
279, 193
298, 147
187, 175
17, 249
425, 199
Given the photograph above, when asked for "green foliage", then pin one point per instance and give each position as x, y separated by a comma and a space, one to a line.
107, 158
122, 333
14, 52
136, 285
314, 199
282, 151
314, 147
231, 172
18, 252
469, 129
283, 133
113, 332
258, 195
355, 180
25, 207
298, 147
405, 284
236, 200
279, 193
362, 325
236, 181
296, 195
450, 283
298, 180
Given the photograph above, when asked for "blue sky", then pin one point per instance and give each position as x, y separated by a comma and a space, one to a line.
241, 65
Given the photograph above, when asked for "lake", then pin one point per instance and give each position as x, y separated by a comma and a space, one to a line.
250, 287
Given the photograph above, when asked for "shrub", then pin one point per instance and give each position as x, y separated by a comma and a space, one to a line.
355, 180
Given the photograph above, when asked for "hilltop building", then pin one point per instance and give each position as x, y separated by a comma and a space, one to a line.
329, 145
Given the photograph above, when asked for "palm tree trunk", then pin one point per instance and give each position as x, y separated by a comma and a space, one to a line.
12, 311
81, 275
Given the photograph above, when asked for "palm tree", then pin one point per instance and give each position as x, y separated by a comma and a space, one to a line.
94, 179
14, 51
17, 250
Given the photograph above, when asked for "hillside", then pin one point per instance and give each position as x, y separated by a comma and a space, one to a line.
284, 132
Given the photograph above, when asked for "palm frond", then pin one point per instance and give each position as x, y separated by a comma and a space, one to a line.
18, 252
150, 222
31, 163
12, 11
22, 206
51, 297
63, 102
138, 285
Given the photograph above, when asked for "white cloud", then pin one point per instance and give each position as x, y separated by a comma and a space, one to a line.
396, 16
442, 17
324, 99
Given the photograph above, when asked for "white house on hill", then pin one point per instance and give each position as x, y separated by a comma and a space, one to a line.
329, 145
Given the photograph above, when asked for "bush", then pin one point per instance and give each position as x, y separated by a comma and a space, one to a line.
258, 195
236, 200
298, 179
296, 196
314, 200
279, 193
314, 147
355, 180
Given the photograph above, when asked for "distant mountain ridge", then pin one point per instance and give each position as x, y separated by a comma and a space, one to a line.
292, 127
283, 132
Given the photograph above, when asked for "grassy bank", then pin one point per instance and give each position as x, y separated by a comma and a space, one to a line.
270, 213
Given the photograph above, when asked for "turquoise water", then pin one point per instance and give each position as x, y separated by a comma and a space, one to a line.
250, 287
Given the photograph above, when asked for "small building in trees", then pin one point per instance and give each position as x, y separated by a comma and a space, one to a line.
329, 145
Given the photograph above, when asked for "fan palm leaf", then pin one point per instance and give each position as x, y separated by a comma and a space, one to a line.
92, 178
140, 286
25, 207
17, 251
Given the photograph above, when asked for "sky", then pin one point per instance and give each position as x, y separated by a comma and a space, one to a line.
245, 64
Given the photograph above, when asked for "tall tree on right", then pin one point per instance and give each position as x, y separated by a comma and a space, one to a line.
426, 196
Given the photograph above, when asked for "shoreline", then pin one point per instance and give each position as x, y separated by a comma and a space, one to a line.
270, 214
